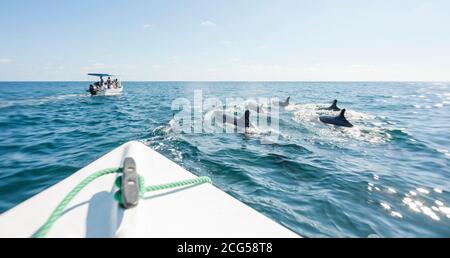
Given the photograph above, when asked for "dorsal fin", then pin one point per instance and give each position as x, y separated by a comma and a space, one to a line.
342, 114
288, 100
334, 105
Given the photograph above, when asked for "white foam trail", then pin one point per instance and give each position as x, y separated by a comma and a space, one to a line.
427, 211
385, 206
423, 190
365, 127
439, 203
392, 190
38, 100
445, 210
407, 200
396, 214
438, 190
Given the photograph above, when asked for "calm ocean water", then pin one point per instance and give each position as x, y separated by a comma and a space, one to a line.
389, 176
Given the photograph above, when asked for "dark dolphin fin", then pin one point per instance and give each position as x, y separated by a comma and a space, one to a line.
342, 114
346, 123
285, 103
334, 106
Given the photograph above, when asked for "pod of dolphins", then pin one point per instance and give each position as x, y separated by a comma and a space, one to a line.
339, 120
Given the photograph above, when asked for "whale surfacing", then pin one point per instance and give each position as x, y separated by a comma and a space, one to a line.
339, 120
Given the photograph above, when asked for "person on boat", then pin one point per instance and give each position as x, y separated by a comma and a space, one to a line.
92, 89
109, 82
96, 86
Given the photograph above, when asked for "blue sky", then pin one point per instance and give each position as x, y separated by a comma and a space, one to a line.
198, 40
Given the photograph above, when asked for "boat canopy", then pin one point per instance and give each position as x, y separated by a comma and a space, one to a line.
101, 75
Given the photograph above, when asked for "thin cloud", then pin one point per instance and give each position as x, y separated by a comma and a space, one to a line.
175, 59
99, 65
262, 47
361, 68
53, 68
148, 26
95, 67
225, 42
129, 66
208, 24
5, 60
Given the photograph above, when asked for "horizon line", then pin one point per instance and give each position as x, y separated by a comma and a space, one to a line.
201, 81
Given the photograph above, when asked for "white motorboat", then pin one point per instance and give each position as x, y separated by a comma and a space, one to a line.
109, 87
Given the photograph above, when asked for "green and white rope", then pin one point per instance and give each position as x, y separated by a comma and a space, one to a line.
59, 210
189, 182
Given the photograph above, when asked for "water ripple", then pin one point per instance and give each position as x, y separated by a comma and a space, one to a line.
386, 177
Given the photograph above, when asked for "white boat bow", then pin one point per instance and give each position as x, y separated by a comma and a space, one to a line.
202, 211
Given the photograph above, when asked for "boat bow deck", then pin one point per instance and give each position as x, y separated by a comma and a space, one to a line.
202, 211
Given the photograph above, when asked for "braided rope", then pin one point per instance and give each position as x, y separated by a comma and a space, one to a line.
59, 210
57, 213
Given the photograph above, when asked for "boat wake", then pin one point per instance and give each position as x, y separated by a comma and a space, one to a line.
38, 101
367, 128
161, 139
